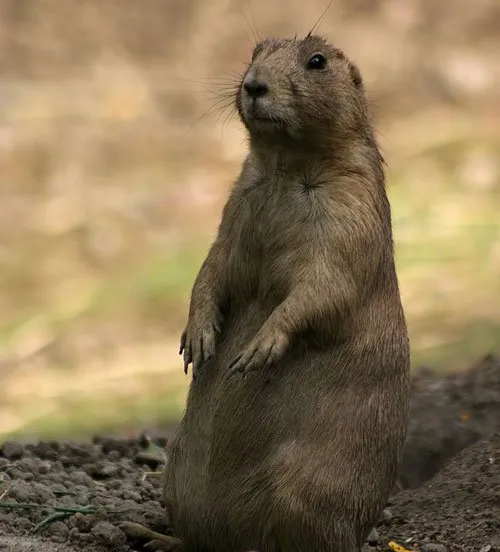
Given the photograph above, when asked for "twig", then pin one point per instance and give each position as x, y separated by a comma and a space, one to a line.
20, 505
49, 519
60, 512
145, 475
33, 506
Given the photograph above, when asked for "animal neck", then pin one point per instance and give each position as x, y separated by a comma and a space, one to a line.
356, 156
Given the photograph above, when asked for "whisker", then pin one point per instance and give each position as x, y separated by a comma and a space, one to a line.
214, 82
213, 109
254, 37
259, 38
215, 93
315, 26
231, 113
222, 110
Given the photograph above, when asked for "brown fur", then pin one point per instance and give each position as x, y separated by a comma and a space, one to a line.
296, 419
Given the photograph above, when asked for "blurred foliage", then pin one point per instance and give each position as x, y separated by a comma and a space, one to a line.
117, 148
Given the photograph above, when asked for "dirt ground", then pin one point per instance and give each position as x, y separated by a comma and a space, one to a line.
73, 497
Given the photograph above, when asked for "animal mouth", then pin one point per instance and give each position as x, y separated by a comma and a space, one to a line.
257, 114
265, 119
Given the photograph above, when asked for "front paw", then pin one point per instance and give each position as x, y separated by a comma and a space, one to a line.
265, 349
198, 342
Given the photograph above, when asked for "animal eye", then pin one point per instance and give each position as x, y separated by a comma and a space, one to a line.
318, 61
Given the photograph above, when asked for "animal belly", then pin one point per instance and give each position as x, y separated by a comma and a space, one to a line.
303, 434
188, 485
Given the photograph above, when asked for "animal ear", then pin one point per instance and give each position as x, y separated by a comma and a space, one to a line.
355, 75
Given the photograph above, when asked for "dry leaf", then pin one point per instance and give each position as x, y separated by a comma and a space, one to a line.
397, 547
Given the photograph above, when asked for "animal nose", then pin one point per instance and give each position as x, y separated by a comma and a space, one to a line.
254, 86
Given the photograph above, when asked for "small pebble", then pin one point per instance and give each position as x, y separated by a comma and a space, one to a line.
127, 494
386, 515
83, 499
22, 492
24, 524
44, 467
42, 492
84, 538
4, 463
115, 484
80, 490
14, 472
58, 528
431, 547
57, 488
11, 450
114, 456
107, 469
81, 522
29, 464
81, 478
373, 537
128, 504
66, 501
73, 532
108, 534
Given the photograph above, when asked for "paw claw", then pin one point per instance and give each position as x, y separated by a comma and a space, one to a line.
197, 345
264, 351
243, 362
183, 342
234, 362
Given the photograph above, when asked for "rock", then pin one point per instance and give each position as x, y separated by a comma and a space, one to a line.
58, 528
108, 534
386, 515
21, 491
373, 537
12, 450
107, 469
81, 478
431, 547
4, 463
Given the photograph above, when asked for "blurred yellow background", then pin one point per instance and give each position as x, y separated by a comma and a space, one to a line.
117, 149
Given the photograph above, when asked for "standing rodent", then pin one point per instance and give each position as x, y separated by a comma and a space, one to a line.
297, 412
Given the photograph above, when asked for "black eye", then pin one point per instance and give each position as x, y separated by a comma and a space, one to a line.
318, 61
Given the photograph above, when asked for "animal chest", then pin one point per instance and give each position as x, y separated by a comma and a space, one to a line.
270, 234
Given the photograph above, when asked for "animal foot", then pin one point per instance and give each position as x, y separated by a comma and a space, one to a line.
156, 541
264, 350
198, 342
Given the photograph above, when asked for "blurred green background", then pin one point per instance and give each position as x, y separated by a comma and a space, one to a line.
112, 185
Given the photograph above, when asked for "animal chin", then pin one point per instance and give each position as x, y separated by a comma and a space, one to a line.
262, 117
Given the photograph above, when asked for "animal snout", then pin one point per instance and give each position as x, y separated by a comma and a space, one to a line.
255, 85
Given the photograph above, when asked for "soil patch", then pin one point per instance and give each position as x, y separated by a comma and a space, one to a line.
73, 497
456, 511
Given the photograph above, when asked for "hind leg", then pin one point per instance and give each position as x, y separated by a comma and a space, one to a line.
156, 541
